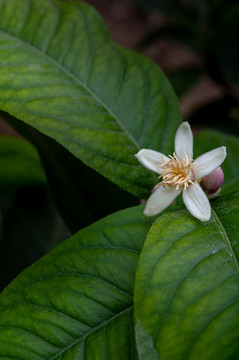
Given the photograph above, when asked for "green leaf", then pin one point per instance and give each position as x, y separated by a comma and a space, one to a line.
61, 73
19, 163
76, 302
187, 286
208, 140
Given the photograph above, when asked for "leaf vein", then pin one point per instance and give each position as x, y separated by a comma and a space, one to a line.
54, 311
77, 81
96, 278
212, 318
31, 333
176, 288
84, 337
227, 241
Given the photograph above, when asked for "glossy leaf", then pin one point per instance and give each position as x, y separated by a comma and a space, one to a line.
187, 286
208, 140
76, 302
61, 73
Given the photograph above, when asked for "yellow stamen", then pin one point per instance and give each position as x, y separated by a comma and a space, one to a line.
176, 173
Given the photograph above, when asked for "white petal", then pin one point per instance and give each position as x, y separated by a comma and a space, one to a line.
151, 159
183, 144
161, 198
208, 162
197, 202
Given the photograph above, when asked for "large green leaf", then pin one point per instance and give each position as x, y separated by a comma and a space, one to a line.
61, 73
76, 302
208, 140
187, 286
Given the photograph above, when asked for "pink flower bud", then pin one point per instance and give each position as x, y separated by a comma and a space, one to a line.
211, 184
212, 196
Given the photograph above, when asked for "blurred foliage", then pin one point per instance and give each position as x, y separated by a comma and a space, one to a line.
30, 228
210, 28
29, 221
20, 164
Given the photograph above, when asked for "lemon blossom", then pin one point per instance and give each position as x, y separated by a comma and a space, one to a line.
180, 173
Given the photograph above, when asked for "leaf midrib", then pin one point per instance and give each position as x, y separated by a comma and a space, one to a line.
83, 338
227, 241
76, 80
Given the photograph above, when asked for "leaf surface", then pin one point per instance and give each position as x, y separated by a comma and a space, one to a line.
187, 286
76, 302
61, 73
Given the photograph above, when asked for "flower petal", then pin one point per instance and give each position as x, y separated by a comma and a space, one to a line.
183, 143
151, 159
197, 202
208, 162
161, 198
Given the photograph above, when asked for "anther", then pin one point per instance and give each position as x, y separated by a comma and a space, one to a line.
176, 173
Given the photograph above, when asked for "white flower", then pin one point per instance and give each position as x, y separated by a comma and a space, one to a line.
180, 173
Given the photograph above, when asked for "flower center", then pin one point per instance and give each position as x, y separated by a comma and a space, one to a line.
176, 173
